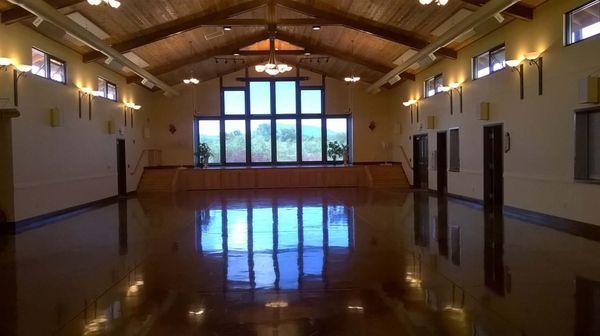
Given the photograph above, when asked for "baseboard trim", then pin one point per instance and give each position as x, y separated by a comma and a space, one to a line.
14, 228
565, 225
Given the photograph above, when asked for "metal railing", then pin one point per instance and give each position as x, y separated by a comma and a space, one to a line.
154, 159
406, 158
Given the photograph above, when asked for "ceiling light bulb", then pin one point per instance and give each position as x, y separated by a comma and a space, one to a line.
260, 68
442, 2
94, 2
347, 79
227, 28
513, 63
282, 67
270, 66
4, 61
289, 68
114, 3
272, 71
23, 67
186, 81
425, 2
356, 79
316, 28
194, 81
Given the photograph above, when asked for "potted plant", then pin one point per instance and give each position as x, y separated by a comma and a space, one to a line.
204, 153
335, 150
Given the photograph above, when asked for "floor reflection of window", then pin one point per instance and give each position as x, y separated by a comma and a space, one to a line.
262, 237
312, 229
455, 238
211, 226
338, 224
237, 244
287, 255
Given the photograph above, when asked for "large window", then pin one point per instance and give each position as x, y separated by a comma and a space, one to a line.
583, 22
107, 89
272, 122
433, 85
48, 66
489, 62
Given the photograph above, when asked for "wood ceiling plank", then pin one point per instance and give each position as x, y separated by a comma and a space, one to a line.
175, 27
16, 14
518, 10
368, 26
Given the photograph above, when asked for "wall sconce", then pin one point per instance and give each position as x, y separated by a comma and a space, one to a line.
130, 107
457, 87
517, 65
410, 103
83, 92
18, 72
535, 59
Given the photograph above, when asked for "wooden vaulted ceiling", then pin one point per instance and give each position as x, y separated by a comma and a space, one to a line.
176, 37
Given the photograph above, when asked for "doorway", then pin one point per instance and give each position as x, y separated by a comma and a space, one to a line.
121, 168
442, 164
420, 159
493, 168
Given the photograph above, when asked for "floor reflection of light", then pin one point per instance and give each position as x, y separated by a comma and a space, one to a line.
357, 309
277, 304
237, 230
96, 325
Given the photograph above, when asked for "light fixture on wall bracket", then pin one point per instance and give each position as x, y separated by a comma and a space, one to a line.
272, 67
437, 2
450, 89
111, 3
353, 78
131, 107
410, 103
517, 65
18, 71
86, 92
534, 58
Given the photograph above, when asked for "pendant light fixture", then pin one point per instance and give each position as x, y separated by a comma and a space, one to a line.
272, 67
437, 2
111, 3
191, 80
352, 78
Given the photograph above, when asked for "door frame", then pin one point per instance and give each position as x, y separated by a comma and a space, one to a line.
442, 174
416, 174
495, 202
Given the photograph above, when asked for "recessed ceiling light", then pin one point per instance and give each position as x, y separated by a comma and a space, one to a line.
236, 54
306, 54
227, 28
316, 28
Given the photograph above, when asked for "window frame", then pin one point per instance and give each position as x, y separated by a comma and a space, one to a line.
490, 67
48, 58
584, 163
273, 117
567, 24
105, 89
435, 78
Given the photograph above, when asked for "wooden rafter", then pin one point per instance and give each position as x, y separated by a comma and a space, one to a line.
16, 14
518, 10
403, 37
264, 23
225, 50
344, 56
175, 27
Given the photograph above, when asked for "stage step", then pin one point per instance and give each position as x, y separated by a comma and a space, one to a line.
157, 180
387, 176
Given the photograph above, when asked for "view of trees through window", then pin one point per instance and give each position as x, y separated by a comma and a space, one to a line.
271, 130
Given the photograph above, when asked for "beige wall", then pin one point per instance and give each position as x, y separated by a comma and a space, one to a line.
61, 167
538, 171
6, 169
340, 98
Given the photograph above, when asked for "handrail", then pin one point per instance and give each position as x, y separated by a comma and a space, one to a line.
137, 165
406, 158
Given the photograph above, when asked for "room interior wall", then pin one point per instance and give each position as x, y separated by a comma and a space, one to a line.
538, 169
204, 100
60, 167
6, 170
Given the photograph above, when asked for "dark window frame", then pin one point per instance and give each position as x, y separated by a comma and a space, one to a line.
489, 54
434, 79
581, 162
108, 83
48, 58
273, 117
567, 24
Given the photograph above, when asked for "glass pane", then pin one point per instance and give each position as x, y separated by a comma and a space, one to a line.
312, 229
209, 132
38, 63
260, 135
287, 218
234, 102
439, 83
584, 23
260, 98
235, 141
498, 59
286, 140
337, 130
101, 87
337, 217
111, 92
57, 71
262, 235
311, 101
482, 65
312, 149
429, 87
237, 248
285, 94
211, 231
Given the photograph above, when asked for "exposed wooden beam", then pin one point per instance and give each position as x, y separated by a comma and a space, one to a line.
266, 52
518, 10
226, 50
263, 22
175, 27
16, 14
342, 55
365, 25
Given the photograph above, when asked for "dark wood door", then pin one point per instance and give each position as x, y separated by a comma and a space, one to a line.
442, 164
420, 159
121, 168
493, 168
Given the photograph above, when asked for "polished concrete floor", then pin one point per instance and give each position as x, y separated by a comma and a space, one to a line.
297, 262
